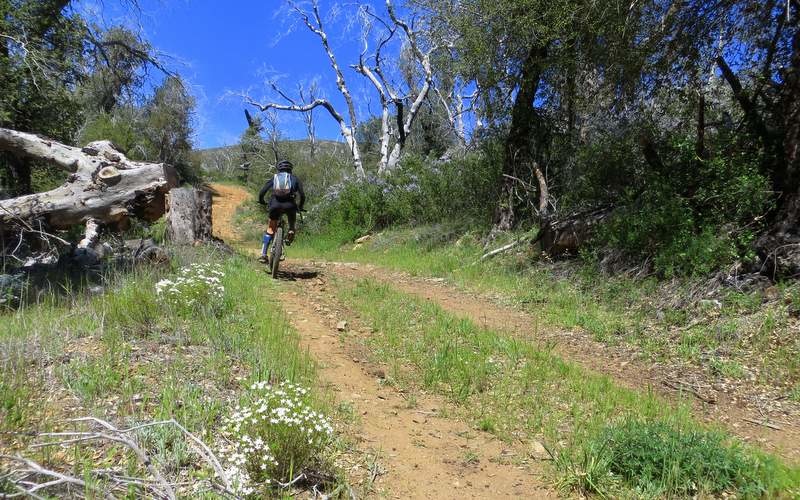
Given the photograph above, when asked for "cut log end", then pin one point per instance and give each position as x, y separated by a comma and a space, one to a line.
109, 176
189, 216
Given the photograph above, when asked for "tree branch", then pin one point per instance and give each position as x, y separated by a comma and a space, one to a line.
299, 108
348, 131
39, 148
744, 101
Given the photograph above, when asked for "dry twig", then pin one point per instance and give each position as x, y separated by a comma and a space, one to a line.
683, 387
21, 478
763, 423
158, 486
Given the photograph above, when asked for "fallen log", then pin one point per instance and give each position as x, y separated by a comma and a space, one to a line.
103, 186
565, 236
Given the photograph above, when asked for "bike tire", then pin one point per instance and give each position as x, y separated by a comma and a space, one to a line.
277, 252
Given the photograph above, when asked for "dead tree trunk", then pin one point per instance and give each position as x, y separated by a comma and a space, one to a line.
189, 216
779, 246
103, 185
518, 150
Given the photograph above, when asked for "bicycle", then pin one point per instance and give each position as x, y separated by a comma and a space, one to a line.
278, 241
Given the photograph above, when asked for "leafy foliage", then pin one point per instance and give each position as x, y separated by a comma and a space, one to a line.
683, 116
658, 460
419, 191
159, 131
41, 50
693, 217
68, 80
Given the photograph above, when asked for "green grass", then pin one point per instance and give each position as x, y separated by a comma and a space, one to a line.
518, 390
657, 460
128, 357
794, 394
612, 309
94, 378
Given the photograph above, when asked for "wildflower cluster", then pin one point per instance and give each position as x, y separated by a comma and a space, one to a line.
274, 435
195, 286
246, 453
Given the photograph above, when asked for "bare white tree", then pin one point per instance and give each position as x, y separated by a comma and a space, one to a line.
453, 104
399, 101
307, 95
273, 130
393, 138
314, 23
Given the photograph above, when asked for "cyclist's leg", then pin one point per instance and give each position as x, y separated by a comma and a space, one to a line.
274, 215
292, 216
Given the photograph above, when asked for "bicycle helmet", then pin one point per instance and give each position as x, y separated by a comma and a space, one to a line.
285, 166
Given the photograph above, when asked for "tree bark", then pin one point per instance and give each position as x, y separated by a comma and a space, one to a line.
189, 216
544, 192
524, 123
700, 144
791, 110
91, 235
779, 247
774, 167
103, 185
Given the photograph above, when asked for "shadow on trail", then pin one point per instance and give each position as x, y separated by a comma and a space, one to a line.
291, 274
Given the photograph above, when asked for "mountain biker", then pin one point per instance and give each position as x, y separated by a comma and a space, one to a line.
286, 187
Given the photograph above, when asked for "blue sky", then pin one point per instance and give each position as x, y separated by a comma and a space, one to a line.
229, 47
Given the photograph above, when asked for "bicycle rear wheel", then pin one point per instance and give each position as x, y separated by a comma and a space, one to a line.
277, 252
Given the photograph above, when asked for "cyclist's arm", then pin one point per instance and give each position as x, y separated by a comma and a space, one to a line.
263, 191
302, 195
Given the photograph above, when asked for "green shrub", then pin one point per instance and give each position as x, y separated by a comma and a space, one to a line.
420, 191
358, 208
692, 219
658, 460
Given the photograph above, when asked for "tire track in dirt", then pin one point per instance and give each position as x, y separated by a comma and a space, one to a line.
619, 363
422, 454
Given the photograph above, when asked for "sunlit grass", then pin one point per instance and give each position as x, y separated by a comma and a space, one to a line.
611, 309
128, 356
521, 391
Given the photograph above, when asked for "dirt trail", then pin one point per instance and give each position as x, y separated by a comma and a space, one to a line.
418, 452
740, 416
225, 199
